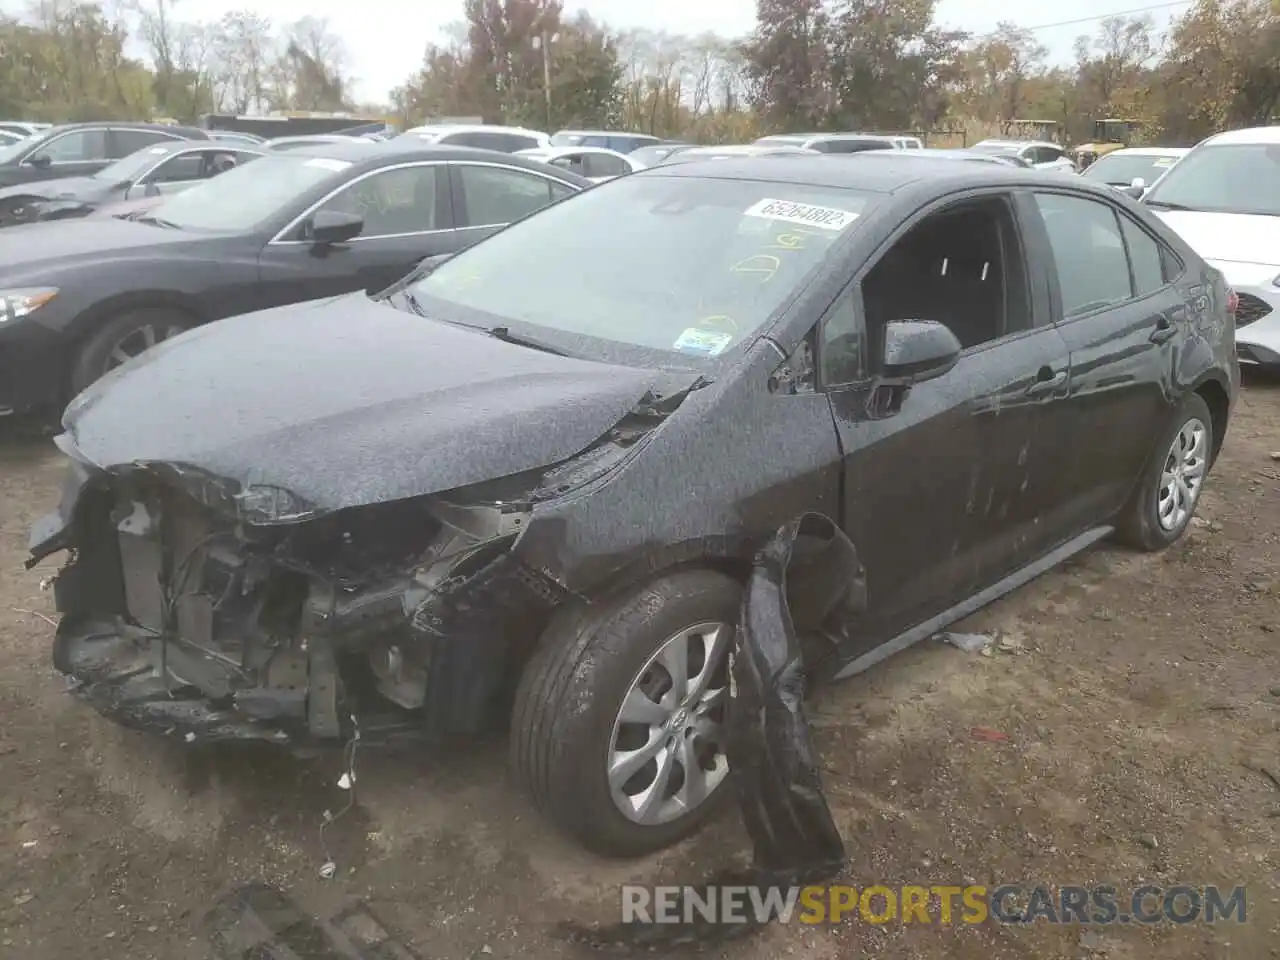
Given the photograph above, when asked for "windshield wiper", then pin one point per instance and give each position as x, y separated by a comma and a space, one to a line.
1167, 205
506, 336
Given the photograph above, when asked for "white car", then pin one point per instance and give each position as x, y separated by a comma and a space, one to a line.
595, 163
1223, 198
485, 136
839, 142
1134, 170
1040, 154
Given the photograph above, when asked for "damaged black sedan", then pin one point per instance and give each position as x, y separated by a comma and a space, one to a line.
526, 487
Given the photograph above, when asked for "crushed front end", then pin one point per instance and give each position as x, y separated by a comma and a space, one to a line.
193, 608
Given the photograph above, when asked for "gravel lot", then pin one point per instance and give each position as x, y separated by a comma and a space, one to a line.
1140, 696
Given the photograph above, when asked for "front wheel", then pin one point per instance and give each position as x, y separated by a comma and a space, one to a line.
122, 338
1161, 508
618, 732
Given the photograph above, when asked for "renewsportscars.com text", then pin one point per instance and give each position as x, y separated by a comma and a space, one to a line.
943, 905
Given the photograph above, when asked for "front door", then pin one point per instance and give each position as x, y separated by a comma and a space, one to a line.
76, 153
407, 217
948, 482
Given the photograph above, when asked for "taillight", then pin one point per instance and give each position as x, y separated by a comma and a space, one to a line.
1233, 301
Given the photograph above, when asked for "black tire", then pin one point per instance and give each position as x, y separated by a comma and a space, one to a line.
94, 354
570, 694
1139, 525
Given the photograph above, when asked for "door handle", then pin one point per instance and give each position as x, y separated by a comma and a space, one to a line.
1164, 330
1046, 382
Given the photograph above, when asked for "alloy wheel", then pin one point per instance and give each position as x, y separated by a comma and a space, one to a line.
1183, 475
666, 753
139, 341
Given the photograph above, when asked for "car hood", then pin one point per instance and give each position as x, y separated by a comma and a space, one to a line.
64, 188
1230, 237
35, 244
343, 402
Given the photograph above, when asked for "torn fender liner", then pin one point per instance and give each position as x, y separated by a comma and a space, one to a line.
807, 584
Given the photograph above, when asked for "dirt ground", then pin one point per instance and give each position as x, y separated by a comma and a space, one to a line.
1140, 696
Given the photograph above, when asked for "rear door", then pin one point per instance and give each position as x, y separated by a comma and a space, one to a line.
126, 140
1124, 320
407, 216
488, 196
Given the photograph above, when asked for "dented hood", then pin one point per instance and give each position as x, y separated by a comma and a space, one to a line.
346, 401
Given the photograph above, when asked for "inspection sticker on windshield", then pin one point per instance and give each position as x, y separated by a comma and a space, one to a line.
704, 343
324, 163
828, 218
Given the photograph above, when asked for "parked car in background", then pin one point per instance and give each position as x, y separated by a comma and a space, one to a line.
909, 143
595, 163
652, 156
617, 140
1134, 169
733, 151
79, 297
1223, 198
152, 171
936, 153
82, 149
525, 491
1040, 154
835, 142
502, 139
8, 139
23, 129
233, 136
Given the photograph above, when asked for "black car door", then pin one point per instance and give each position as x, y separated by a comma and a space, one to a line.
489, 195
946, 483
71, 153
1123, 319
408, 216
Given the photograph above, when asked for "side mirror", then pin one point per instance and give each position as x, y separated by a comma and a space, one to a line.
41, 161
918, 350
1138, 183
1134, 190
332, 226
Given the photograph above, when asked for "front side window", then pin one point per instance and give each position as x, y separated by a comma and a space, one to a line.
392, 202
603, 165
676, 265
1088, 251
497, 195
572, 162
248, 196
78, 146
841, 344
1227, 178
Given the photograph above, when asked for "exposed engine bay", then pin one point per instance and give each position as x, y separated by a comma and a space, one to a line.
410, 617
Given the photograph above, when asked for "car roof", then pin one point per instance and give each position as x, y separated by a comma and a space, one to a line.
553, 152
1248, 135
188, 133
1148, 152
371, 154
605, 133
872, 171
445, 128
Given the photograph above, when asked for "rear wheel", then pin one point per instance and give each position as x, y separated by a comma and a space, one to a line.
122, 338
619, 731
1167, 495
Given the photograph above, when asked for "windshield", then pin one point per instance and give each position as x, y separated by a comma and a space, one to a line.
1123, 169
1233, 178
679, 265
245, 197
134, 165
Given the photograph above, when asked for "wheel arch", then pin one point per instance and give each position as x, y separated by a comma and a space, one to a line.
1217, 398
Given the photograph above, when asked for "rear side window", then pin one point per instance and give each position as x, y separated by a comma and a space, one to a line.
603, 165
497, 195
1145, 256
1088, 251
125, 142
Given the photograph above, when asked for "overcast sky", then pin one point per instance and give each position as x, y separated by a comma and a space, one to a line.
385, 38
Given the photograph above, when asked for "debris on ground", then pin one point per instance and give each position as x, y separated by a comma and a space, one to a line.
988, 734
968, 642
